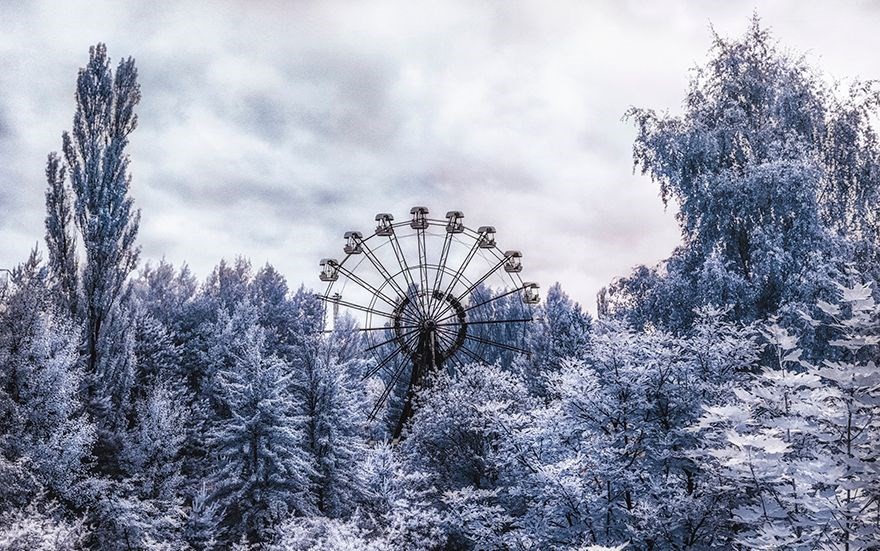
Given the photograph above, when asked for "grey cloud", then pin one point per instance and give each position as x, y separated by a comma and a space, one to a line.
269, 129
262, 115
352, 115
6, 131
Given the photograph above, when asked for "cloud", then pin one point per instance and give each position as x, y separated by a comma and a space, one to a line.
268, 129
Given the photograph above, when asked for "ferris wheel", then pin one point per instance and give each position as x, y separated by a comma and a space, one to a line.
427, 294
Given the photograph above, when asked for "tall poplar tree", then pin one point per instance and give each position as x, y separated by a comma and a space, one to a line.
94, 152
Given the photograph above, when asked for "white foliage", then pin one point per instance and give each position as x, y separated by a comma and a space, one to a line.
804, 458
32, 529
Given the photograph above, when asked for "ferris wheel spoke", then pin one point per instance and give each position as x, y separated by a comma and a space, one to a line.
485, 276
383, 363
448, 341
489, 322
387, 391
473, 355
354, 306
451, 337
460, 271
363, 329
496, 297
496, 344
411, 313
392, 339
401, 260
475, 284
376, 292
432, 304
446, 338
423, 268
374, 260
441, 266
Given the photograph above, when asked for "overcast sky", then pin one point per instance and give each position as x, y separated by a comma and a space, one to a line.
269, 129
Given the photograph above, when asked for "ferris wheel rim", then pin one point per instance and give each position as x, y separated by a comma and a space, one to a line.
495, 250
473, 239
413, 312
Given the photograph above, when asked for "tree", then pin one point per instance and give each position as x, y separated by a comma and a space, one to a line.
324, 534
798, 441
851, 154
166, 294
263, 470
152, 447
560, 332
227, 286
758, 165
327, 389
334, 411
44, 439
110, 389
35, 528
268, 293
456, 432
60, 236
97, 163
456, 443
608, 457
403, 509
567, 326
203, 522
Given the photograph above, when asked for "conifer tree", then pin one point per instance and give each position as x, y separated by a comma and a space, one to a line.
263, 471
334, 414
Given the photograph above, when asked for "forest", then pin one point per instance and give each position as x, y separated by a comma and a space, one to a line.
726, 398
